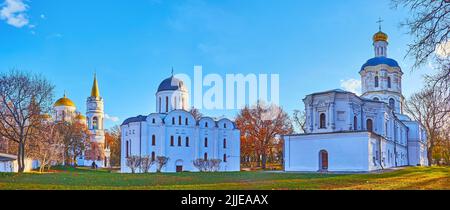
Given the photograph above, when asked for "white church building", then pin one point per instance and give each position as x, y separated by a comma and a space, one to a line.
347, 132
173, 132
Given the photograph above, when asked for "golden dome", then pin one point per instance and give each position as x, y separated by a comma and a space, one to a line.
80, 117
46, 116
64, 101
380, 36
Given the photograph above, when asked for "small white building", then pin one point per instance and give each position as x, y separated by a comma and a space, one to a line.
346, 132
9, 164
173, 132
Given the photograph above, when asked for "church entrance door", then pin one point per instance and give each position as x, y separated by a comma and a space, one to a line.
179, 166
323, 160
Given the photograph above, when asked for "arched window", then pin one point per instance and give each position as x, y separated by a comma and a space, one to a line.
355, 123
206, 124
206, 142
187, 141
153, 140
225, 158
389, 82
376, 82
179, 141
205, 156
95, 123
224, 125
322, 120
153, 156
392, 103
376, 99
153, 121
224, 143
173, 120
172, 141
186, 121
179, 120
369, 125
167, 104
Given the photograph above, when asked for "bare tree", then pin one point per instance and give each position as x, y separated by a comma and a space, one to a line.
161, 161
260, 125
214, 165
196, 113
133, 162
429, 25
23, 97
146, 163
299, 118
46, 146
431, 109
200, 164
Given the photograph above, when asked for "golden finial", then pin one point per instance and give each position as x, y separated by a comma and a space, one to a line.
95, 91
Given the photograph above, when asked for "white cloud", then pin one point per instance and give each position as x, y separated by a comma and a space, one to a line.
111, 118
352, 85
42, 16
443, 50
13, 12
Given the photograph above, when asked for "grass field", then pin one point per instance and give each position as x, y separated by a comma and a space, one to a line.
80, 179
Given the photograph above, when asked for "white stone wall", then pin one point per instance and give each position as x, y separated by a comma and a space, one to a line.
346, 152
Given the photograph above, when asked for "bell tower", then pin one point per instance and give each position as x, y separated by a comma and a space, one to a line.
381, 77
95, 119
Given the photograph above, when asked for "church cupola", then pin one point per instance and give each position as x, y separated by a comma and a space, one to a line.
381, 77
172, 94
380, 42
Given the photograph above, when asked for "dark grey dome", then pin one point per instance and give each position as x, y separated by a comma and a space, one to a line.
171, 83
139, 118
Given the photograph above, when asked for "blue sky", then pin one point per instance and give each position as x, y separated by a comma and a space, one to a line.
132, 45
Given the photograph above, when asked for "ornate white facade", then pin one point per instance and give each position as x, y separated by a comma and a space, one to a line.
173, 132
346, 132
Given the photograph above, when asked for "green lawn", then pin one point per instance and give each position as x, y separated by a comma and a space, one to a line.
408, 178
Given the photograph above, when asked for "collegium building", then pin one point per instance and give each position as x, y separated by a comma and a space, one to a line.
347, 132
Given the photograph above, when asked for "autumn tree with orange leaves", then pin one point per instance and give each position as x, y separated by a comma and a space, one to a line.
261, 129
112, 137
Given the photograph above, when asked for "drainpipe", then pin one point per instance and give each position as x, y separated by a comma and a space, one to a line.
140, 143
381, 158
395, 144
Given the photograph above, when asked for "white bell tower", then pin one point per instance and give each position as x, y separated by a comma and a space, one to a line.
95, 118
381, 77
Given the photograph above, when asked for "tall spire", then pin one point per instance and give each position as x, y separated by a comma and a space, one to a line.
95, 91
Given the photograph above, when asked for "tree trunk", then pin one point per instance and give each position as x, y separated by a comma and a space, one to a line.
263, 160
430, 155
20, 156
75, 161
